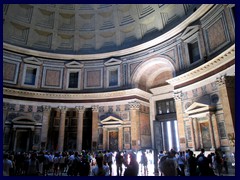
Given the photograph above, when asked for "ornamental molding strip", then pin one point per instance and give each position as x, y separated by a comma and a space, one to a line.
220, 60
69, 96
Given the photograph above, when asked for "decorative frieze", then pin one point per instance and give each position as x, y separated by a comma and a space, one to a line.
5, 106
95, 108
134, 105
177, 96
229, 81
46, 108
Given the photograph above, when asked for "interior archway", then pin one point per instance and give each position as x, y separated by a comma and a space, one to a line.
153, 73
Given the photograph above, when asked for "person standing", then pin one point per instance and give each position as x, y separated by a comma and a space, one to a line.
100, 169
33, 165
119, 163
168, 166
132, 167
109, 161
144, 162
225, 162
7, 165
192, 164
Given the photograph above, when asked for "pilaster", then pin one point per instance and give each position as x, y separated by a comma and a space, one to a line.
226, 85
179, 111
135, 131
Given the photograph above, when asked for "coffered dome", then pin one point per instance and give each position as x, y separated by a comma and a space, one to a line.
81, 29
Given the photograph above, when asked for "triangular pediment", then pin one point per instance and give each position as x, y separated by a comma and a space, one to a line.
197, 107
74, 64
32, 60
110, 120
189, 31
112, 61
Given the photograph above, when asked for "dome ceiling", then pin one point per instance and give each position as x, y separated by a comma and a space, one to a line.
88, 28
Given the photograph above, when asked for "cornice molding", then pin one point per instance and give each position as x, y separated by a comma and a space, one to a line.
220, 60
69, 96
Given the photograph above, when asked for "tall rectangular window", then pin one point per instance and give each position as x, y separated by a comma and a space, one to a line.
30, 76
193, 50
73, 80
113, 77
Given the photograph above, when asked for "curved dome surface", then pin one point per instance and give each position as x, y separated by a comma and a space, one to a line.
82, 29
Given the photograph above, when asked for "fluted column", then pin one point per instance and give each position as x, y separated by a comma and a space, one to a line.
211, 132
45, 126
95, 114
120, 138
80, 110
192, 133
215, 130
179, 112
105, 139
63, 110
135, 131
196, 132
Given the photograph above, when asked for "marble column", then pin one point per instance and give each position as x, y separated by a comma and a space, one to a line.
80, 111
180, 120
211, 132
105, 139
215, 130
135, 131
196, 132
192, 133
45, 126
120, 138
63, 110
95, 115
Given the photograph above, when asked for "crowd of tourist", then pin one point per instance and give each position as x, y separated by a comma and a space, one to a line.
100, 163
174, 163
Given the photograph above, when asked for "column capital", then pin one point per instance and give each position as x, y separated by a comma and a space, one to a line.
228, 81
134, 105
46, 108
5, 106
177, 96
63, 109
95, 108
80, 108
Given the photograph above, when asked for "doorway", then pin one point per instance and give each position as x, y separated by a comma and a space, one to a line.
22, 141
113, 141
